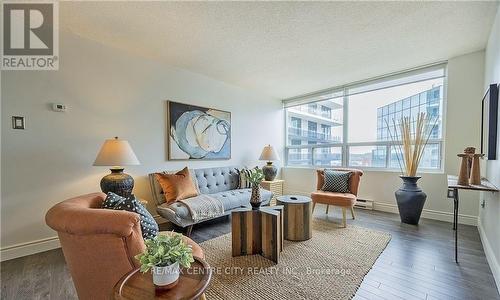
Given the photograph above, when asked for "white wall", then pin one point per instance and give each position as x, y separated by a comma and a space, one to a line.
463, 116
109, 93
489, 216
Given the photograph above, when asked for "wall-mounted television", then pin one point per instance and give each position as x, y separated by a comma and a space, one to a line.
489, 121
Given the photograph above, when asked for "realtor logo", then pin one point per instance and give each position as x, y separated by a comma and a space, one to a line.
30, 36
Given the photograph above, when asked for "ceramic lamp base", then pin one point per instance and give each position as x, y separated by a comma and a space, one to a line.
269, 171
118, 182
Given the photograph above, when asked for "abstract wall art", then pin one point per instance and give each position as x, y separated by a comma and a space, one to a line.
196, 132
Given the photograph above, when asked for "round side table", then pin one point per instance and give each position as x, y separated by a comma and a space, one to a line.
297, 217
192, 283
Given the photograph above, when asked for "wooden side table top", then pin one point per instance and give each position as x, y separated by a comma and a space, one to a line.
192, 283
484, 186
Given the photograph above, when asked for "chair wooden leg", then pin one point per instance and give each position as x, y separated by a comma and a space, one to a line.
314, 206
202, 297
352, 213
344, 223
327, 207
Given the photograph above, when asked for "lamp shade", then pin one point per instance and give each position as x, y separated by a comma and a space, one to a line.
269, 154
116, 152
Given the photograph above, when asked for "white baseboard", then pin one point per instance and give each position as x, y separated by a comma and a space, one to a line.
426, 213
29, 248
490, 256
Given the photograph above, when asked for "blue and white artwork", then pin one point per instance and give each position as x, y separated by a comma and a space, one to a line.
198, 132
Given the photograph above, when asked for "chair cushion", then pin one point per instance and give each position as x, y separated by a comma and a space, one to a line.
336, 181
177, 186
332, 198
149, 228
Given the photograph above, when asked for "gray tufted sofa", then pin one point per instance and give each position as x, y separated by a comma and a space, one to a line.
221, 183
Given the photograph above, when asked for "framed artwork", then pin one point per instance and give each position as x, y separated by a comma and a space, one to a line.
197, 133
489, 121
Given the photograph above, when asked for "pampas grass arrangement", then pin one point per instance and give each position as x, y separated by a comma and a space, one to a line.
410, 137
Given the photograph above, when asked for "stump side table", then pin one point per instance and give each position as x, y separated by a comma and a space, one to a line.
192, 284
257, 231
297, 217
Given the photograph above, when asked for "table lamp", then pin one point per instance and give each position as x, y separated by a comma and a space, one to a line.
116, 153
269, 170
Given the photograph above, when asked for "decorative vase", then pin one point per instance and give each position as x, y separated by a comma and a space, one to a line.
410, 199
269, 171
166, 277
255, 200
118, 182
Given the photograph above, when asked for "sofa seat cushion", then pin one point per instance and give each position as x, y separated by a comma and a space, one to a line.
333, 198
179, 213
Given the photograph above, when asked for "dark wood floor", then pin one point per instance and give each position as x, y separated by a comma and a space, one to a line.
417, 264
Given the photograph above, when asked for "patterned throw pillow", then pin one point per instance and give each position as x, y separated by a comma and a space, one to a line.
149, 227
244, 174
336, 181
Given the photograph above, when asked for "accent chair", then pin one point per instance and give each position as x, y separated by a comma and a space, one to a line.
99, 245
343, 200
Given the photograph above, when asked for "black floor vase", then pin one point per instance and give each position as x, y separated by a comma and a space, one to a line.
411, 200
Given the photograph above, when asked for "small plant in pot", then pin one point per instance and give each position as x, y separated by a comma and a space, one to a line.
255, 178
164, 255
410, 137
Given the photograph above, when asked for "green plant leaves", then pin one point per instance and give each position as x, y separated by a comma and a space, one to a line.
165, 250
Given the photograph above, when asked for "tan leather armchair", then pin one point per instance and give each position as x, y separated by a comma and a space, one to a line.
99, 245
343, 200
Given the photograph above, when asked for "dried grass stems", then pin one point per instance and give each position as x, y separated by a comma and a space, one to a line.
410, 137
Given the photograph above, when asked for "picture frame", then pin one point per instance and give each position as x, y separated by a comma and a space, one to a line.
489, 121
197, 133
18, 122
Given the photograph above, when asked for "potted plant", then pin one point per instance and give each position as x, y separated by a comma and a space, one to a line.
255, 178
164, 255
410, 137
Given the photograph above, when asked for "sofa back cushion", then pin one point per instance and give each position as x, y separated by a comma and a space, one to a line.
215, 180
207, 181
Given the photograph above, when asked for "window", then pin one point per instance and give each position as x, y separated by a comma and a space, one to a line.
369, 110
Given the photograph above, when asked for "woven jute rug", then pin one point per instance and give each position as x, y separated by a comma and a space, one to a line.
331, 265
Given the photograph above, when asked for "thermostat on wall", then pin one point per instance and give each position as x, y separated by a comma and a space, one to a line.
59, 107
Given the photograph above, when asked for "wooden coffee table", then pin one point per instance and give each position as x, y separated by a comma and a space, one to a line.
297, 217
192, 283
258, 231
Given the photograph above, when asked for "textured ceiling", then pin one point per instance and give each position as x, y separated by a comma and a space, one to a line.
286, 48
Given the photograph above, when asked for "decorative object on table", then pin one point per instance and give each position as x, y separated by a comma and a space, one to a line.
489, 122
297, 217
414, 135
196, 132
177, 186
343, 200
191, 285
269, 154
117, 153
275, 187
255, 178
475, 173
257, 231
164, 254
149, 227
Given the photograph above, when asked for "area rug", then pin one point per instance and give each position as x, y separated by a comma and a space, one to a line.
331, 265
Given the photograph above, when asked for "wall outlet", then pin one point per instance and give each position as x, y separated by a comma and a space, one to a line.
59, 107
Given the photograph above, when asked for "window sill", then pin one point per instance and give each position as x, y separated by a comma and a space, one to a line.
366, 169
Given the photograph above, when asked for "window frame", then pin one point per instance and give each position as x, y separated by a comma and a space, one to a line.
345, 144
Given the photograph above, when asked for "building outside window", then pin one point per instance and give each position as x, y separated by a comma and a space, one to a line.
369, 110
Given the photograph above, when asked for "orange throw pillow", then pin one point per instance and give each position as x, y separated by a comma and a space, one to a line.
177, 186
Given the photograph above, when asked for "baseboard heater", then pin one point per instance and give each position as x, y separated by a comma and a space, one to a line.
364, 204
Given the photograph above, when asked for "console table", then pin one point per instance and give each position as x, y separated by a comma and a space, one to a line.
258, 231
453, 188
